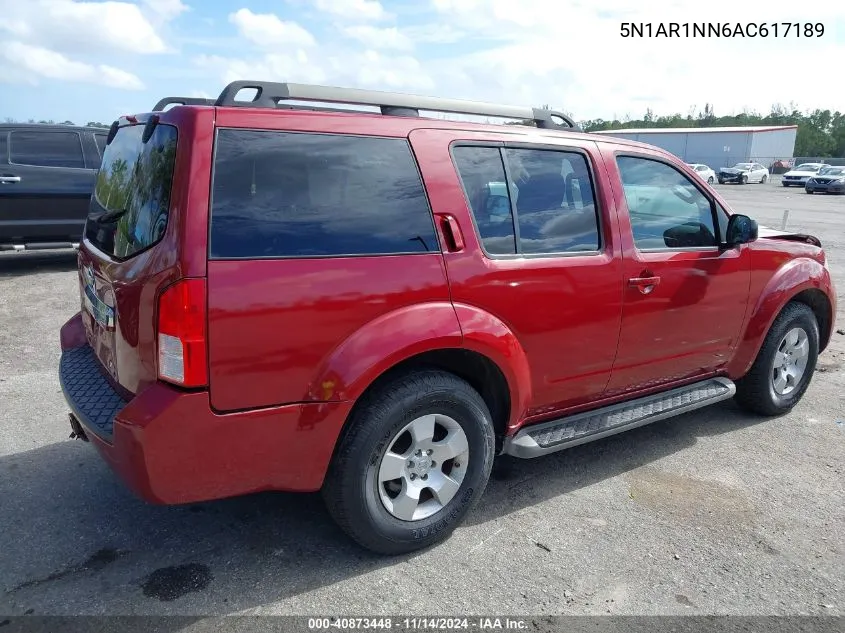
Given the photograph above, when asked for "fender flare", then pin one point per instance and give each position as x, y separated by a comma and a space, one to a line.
377, 347
490, 336
788, 281
381, 344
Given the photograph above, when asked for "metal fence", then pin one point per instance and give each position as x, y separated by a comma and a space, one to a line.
839, 162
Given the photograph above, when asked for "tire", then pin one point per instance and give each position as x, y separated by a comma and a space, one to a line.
756, 392
721, 182
785, 184
743, 180
710, 180
354, 493
810, 191
763, 180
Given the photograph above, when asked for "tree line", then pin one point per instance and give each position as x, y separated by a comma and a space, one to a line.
821, 133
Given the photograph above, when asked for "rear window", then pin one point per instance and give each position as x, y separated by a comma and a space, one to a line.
287, 194
131, 200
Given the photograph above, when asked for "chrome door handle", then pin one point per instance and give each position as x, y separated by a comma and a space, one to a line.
644, 284
8, 180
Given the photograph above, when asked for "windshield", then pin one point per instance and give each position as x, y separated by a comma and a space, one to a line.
742, 166
832, 171
131, 200
807, 167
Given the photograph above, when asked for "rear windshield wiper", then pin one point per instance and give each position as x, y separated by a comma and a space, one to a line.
110, 216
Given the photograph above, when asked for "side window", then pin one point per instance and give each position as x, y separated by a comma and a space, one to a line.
483, 176
46, 149
555, 205
101, 142
279, 194
666, 209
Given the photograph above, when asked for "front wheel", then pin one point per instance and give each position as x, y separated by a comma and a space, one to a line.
416, 457
743, 180
785, 364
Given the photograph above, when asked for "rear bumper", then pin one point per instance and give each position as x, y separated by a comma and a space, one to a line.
170, 447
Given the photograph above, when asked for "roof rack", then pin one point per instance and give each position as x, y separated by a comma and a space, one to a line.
161, 105
269, 94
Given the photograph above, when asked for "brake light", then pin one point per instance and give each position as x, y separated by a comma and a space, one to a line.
182, 334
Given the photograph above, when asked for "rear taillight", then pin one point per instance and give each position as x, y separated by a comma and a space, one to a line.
181, 334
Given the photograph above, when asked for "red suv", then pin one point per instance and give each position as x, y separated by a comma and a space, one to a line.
277, 296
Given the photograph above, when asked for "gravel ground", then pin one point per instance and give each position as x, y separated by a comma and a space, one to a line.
714, 512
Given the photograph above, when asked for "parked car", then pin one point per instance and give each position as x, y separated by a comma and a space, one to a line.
800, 174
744, 173
46, 180
828, 180
376, 306
707, 174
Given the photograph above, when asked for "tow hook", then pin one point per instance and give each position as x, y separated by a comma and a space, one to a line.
77, 433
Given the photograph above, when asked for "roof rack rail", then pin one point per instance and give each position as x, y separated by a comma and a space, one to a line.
269, 94
161, 105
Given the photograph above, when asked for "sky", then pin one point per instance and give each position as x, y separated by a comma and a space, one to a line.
94, 61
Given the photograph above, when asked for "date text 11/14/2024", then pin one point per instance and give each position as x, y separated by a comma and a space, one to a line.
721, 29
481, 623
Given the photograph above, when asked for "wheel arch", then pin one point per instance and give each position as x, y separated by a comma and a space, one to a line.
463, 340
802, 280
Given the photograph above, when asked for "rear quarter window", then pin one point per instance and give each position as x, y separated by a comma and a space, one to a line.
285, 194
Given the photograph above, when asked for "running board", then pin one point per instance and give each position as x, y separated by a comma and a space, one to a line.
548, 437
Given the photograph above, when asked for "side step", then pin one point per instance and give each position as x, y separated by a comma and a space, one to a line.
548, 437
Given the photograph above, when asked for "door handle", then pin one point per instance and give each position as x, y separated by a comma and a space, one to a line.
8, 180
644, 284
454, 239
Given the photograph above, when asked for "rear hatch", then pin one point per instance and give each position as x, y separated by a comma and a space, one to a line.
125, 256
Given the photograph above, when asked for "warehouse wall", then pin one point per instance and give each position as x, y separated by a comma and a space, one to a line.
773, 145
699, 147
710, 148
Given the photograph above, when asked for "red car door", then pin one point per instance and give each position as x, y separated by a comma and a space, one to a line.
685, 295
553, 276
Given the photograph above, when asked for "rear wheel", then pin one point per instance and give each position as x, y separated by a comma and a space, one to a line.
710, 180
415, 459
764, 179
785, 364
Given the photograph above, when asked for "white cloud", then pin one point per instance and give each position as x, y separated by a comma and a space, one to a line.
576, 59
166, 9
380, 38
353, 9
268, 30
81, 27
42, 62
367, 69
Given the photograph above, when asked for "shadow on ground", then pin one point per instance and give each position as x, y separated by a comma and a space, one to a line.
31, 262
76, 528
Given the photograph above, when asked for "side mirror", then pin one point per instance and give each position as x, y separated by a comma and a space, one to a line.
741, 230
